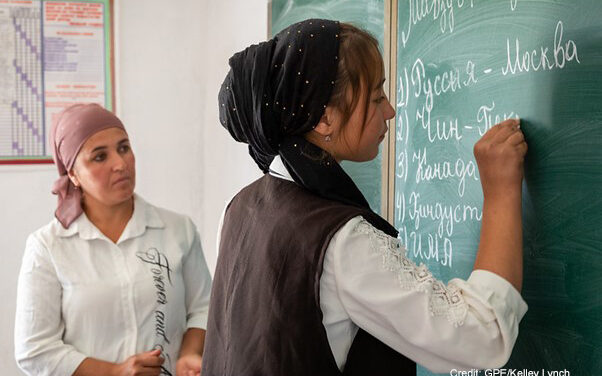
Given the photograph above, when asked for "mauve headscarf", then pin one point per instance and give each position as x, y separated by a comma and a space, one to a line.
275, 92
69, 132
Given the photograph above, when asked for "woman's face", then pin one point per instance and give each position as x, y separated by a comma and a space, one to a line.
105, 167
359, 140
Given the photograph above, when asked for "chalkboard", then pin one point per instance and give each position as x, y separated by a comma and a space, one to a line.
368, 15
464, 65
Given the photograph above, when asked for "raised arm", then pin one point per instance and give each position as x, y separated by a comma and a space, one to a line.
464, 324
500, 154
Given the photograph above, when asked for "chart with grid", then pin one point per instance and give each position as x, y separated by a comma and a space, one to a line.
22, 132
54, 54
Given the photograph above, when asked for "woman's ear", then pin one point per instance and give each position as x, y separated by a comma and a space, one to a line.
326, 126
326, 132
73, 177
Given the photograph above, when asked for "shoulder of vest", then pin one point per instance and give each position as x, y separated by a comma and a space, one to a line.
292, 198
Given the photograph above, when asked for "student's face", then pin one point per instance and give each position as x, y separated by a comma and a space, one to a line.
359, 140
105, 167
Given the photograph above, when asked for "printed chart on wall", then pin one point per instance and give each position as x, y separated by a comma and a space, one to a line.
54, 54
462, 67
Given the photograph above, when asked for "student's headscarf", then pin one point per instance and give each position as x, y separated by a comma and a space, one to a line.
275, 92
69, 132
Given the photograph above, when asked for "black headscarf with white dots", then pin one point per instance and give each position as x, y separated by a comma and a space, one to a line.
275, 92
280, 87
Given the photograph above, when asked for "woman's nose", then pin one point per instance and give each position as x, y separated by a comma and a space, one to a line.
119, 162
389, 111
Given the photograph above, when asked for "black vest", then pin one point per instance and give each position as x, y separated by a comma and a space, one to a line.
264, 316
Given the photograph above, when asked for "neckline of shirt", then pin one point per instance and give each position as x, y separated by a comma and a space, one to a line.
144, 216
278, 169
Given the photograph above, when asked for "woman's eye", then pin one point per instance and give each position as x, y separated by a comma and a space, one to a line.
380, 99
124, 148
99, 157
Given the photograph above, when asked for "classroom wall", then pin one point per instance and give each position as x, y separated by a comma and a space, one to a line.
170, 62
231, 26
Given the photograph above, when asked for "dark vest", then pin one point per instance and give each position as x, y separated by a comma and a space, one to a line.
265, 317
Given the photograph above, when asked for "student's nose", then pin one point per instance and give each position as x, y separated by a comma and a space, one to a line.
389, 112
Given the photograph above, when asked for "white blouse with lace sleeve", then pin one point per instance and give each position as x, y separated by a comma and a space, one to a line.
368, 282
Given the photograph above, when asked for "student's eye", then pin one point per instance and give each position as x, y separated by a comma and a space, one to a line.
99, 157
124, 149
380, 99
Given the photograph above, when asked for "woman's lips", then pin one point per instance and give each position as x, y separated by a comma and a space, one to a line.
121, 180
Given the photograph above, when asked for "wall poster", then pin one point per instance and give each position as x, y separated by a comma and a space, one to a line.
53, 54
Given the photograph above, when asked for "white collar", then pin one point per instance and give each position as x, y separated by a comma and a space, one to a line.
278, 169
144, 215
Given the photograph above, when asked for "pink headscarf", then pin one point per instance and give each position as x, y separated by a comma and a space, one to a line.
69, 132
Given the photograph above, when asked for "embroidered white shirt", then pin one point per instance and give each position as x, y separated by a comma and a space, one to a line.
81, 295
368, 282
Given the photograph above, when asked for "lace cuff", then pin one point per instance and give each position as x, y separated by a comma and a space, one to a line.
444, 300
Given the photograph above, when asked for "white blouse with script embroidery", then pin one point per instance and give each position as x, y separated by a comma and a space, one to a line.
81, 295
367, 281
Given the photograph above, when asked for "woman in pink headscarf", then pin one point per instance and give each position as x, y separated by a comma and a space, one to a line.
113, 285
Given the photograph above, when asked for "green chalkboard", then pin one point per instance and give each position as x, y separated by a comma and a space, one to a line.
463, 66
368, 15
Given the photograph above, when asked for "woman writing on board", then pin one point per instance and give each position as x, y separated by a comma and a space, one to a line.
113, 285
309, 280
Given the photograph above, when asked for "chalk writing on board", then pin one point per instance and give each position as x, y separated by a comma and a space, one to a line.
443, 170
438, 244
543, 59
439, 10
403, 126
445, 215
487, 119
451, 80
444, 130
424, 83
402, 165
437, 248
534, 60
427, 224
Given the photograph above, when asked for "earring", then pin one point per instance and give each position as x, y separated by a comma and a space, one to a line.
327, 138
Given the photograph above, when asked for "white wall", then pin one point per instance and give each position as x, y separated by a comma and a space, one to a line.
231, 26
170, 62
25, 204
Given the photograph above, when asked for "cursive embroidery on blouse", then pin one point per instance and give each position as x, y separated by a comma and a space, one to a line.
159, 267
444, 300
153, 257
160, 325
167, 363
